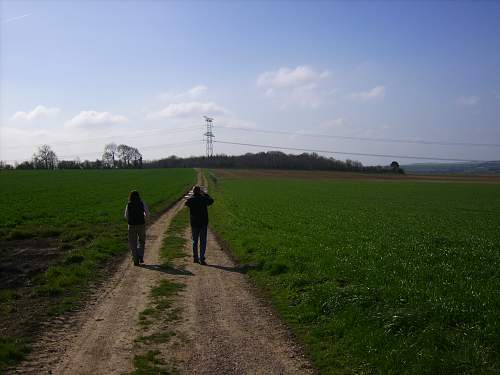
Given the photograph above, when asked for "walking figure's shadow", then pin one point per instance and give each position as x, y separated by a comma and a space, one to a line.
242, 268
167, 269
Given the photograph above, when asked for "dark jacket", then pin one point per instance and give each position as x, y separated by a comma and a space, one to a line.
135, 213
198, 213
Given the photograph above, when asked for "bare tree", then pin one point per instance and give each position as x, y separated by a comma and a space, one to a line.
130, 157
124, 155
45, 158
136, 158
110, 154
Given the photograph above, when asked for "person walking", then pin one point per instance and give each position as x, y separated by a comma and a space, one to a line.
198, 216
136, 212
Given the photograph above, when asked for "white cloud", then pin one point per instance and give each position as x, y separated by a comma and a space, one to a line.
286, 77
192, 93
37, 113
292, 87
196, 91
94, 118
377, 92
307, 96
231, 122
12, 19
187, 109
332, 124
468, 101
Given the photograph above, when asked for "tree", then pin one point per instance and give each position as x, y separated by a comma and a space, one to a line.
136, 158
109, 155
45, 158
396, 168
68, 164
4, 165
130, 157
124, 155
25, 165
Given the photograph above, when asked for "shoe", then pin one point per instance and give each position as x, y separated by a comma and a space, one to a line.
141, 259
195, 260
136, 261
202, 262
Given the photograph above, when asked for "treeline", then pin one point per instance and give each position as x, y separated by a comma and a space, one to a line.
114, 156
123, 156
272, 160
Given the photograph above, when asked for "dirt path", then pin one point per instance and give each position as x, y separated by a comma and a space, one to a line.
230, 330
99, 339
227, 328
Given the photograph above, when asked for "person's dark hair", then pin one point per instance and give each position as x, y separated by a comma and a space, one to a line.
196, 190
134, 196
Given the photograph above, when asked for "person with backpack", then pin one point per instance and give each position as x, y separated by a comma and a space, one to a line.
198, 217
136, 212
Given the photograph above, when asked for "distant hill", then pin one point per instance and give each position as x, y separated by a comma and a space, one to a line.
490, 167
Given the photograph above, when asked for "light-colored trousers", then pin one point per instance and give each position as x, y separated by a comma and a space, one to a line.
137, 240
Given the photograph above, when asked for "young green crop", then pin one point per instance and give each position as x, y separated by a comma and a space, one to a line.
373, 276
52, 203
80, 215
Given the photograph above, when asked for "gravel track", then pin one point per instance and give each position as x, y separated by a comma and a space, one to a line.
230, 329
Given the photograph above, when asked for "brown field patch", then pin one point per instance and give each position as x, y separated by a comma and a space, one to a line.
22, 259
338, 175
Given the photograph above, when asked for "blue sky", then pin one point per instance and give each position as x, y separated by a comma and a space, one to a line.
79, 74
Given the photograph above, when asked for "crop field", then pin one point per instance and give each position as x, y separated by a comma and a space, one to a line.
373, 276
57, 230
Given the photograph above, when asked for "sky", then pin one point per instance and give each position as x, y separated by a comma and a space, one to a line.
301, 75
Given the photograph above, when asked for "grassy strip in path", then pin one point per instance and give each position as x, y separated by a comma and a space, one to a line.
156, 319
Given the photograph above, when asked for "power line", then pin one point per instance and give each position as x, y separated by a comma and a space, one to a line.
389, 140
352, 153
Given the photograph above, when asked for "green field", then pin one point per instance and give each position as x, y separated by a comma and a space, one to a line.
57, 230
374, 276
51, 203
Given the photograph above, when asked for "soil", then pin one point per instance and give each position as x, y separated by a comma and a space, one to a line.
21, 261
336, 175
226, 327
